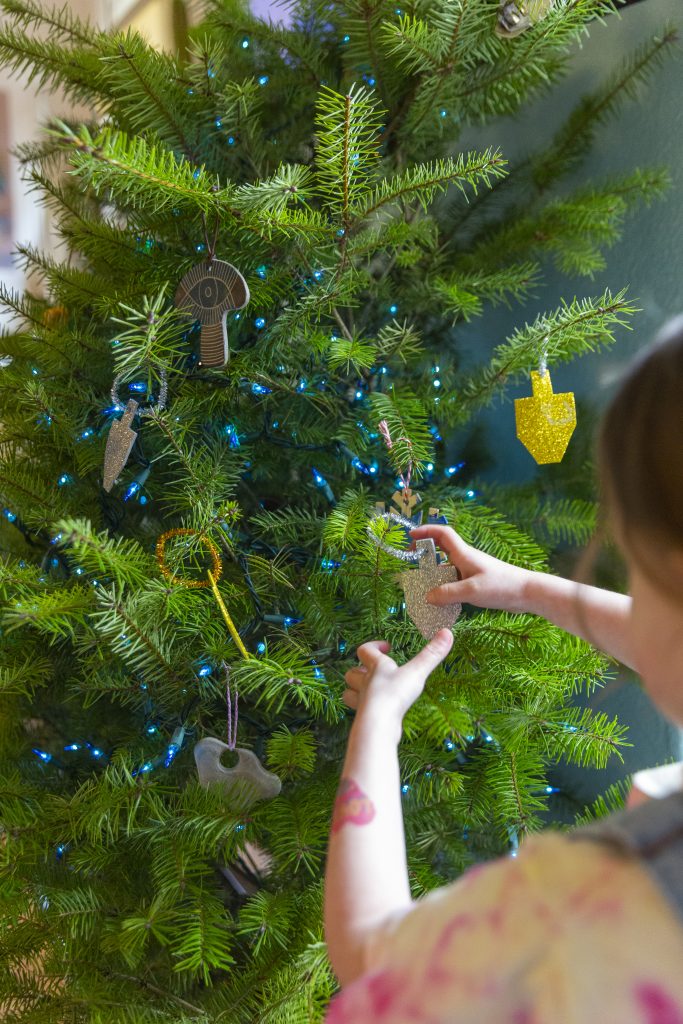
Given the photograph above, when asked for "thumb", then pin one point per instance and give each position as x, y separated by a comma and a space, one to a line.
450, 593
433, 653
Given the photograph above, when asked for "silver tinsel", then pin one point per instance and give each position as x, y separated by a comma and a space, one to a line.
403, 553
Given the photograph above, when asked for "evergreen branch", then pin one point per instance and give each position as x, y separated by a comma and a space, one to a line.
144, 175
59, 22
347, 149
581, 326
117, 558
424, 181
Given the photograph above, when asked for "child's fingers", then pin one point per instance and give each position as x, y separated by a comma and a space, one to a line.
373, 651
445, 536
433, 653
350, 698
450, 593
356, 677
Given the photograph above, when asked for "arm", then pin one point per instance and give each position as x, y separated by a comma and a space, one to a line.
598, 616
366, 878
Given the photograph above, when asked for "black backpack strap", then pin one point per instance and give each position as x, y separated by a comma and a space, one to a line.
652, 832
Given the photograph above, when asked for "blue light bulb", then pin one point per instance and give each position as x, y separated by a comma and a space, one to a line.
131, 490
63, 479
205, 670
262, 271
393, 309
261, 647
43, 755
405, 788
263, 80
245, 43
259, 322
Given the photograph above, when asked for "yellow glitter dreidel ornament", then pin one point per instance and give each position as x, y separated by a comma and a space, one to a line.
546, 421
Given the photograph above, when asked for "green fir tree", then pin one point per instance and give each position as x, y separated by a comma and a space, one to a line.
320, 159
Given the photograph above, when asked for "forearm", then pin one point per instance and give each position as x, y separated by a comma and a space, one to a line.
366, 879
598, 616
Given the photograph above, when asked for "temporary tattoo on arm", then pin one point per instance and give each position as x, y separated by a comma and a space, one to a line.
351, 805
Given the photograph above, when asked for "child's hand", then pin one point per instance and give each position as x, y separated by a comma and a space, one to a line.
379, 683
486, 581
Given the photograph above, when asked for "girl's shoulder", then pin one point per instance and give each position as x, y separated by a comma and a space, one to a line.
556, 933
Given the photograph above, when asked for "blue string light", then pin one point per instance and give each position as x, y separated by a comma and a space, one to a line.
259, 323
10, 516
262, 272
205, 670
393, 309
260, 389
43, 755
261, 647
263, 80
232, 435
452, 470
63, 480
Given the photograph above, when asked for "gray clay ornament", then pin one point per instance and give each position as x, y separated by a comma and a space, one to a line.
245, 783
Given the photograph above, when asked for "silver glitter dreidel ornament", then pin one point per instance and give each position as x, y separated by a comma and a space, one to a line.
207, 293
416, 583
245, 783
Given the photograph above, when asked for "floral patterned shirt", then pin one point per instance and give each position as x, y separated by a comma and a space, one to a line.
565, 933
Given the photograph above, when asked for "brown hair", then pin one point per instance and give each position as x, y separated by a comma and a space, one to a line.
640, 456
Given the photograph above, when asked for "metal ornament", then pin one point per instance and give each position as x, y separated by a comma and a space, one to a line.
416, 583
119, 445
206, 293
545, 421
516, 17
244, 784
121, 436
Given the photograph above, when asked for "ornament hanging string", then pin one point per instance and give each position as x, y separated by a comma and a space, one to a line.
543, 357
232, 727
386, 434
213, 574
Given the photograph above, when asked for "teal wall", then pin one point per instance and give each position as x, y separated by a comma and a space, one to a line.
648, 258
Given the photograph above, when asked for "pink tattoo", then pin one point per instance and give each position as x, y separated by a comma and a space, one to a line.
351, 805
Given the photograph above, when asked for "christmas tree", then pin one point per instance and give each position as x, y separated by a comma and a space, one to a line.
217, 585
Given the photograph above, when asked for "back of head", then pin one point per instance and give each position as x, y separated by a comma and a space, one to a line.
641, 454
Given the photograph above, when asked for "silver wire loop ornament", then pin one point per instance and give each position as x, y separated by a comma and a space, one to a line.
160, 405
404, 554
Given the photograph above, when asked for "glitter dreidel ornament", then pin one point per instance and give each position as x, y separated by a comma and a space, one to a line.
546, 421
516, 17
416, 583
207, 293
121, 436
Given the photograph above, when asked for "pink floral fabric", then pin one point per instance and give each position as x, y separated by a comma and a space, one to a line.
565, 933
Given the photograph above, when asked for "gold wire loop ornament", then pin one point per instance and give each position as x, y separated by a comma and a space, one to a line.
213, 576
216, 563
